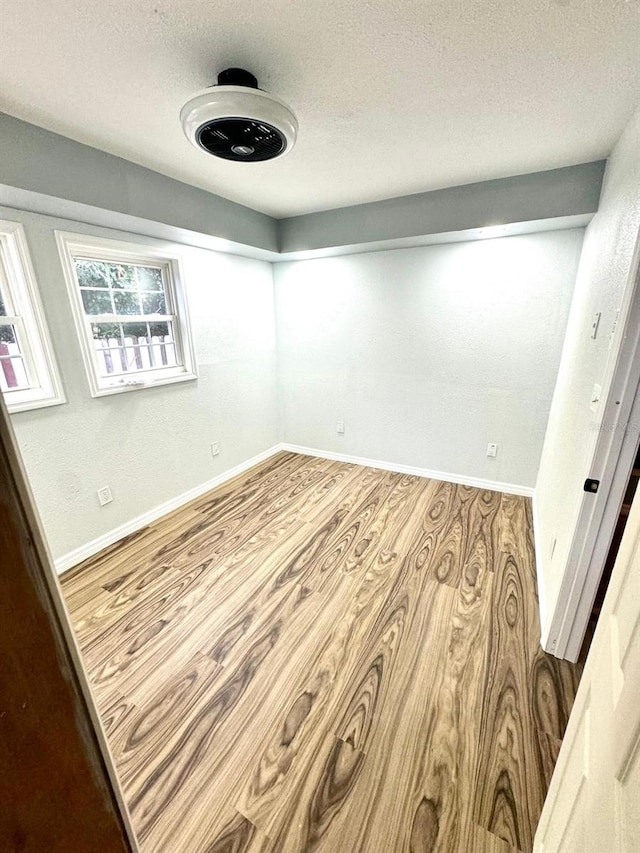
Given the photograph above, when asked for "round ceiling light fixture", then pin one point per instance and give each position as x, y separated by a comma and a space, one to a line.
235, 120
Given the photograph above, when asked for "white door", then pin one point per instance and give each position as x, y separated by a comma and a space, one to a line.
593, 804
609, 460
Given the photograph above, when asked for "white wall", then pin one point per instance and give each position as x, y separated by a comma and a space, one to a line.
149, 445
427, 354
603, 274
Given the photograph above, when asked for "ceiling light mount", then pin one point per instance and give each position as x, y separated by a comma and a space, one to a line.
237, 77
235, 120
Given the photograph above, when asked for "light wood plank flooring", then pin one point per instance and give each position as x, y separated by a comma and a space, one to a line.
322, 657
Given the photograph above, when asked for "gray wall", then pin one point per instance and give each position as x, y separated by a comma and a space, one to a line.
554, 194
610, 240
153, 444
427, 354
48, 173
46, 163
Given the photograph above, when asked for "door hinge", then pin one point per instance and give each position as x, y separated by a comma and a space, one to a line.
591, 485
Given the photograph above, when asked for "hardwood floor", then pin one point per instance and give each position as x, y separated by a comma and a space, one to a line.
322, 657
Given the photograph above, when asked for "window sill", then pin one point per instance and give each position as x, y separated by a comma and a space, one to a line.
29, 405
143, 384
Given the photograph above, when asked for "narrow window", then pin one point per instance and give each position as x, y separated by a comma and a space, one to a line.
28, 375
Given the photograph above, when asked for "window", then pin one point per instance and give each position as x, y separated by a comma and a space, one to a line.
28, 375
130, 312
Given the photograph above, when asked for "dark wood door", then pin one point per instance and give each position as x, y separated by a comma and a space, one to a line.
55, 794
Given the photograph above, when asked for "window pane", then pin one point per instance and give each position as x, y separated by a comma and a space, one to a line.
137, 353
7, 336
102, 331
121, 289
161, 330
164, 354
97, 301
132, 347
126, 302
122, 275
92, 273
154, 303
135, 330
3, 310
13, 371
149, 278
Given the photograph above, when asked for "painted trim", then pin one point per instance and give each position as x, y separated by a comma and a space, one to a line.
67, 561
476, 482
538, 552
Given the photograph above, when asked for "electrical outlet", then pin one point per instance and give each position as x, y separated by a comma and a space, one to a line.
340, 427
104, 495
215, 448
492, 450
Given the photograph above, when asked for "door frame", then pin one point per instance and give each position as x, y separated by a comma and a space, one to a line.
44, 566
611, 456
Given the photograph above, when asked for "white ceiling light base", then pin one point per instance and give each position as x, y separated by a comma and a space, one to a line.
236, 121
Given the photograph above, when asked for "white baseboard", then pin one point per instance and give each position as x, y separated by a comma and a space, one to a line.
67, 561
492, 485
537, 544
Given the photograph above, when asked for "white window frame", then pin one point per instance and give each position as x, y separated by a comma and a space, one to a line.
28, 319
72, 246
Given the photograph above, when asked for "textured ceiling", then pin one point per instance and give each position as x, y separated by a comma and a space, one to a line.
392, 97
